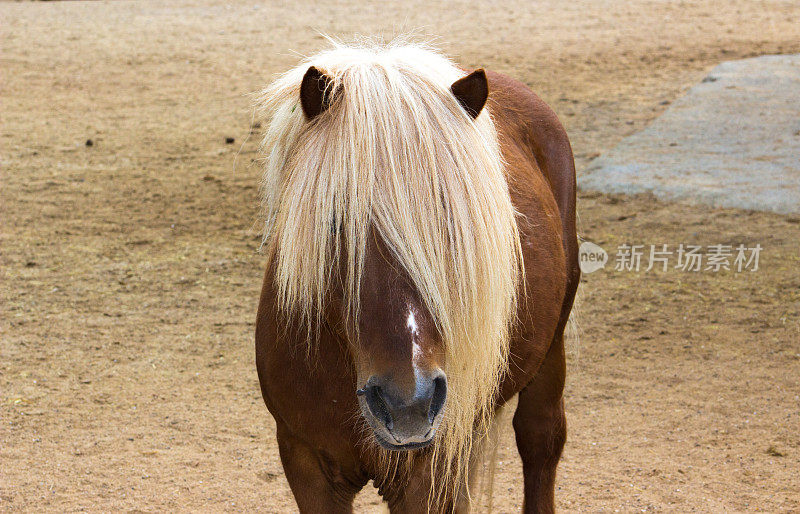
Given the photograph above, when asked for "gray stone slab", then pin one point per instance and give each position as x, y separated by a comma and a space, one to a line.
732, 141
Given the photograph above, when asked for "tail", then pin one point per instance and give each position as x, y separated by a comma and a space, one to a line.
572, 331
488, 455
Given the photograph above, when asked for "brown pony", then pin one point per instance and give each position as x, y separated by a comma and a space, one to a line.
420, 229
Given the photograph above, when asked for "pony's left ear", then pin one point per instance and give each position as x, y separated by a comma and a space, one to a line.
316, 91
472, 92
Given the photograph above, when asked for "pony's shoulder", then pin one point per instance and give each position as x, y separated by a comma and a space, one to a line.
523, 118
513, 101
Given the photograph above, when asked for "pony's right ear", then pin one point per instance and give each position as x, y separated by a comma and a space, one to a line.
315, 93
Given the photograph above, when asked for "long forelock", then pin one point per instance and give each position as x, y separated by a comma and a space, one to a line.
397, 154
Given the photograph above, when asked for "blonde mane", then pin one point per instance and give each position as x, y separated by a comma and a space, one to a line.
397, 154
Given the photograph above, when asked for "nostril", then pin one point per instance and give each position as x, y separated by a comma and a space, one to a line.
376, 404
438, 399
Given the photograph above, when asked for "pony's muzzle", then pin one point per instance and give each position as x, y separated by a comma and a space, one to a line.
405, 421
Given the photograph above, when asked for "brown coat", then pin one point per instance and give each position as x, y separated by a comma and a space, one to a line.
313, 400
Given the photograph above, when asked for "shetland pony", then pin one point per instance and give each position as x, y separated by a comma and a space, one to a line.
422, 264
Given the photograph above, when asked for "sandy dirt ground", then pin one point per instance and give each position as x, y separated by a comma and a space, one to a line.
129, 268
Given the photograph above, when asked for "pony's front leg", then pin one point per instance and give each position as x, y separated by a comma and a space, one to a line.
317, 485
541, 430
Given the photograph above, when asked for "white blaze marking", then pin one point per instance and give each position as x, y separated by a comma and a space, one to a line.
412, 323
416, 350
